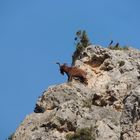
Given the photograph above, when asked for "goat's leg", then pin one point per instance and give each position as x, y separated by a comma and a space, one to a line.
83, 80
69, 78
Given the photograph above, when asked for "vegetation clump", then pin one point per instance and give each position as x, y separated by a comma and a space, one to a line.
87, 103
81, 42
81, 134
121, 63
118, 47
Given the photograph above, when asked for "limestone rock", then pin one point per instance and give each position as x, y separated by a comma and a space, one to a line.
107, 108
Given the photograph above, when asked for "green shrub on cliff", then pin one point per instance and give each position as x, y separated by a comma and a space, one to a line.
81, 42
81, 134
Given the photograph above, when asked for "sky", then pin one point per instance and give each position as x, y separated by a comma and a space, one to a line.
35, 34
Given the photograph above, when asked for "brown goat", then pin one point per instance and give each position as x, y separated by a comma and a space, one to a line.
73, 72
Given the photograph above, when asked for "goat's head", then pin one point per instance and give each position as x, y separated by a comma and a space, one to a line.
62, 67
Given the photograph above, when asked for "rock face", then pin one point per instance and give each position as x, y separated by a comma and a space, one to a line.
108, 108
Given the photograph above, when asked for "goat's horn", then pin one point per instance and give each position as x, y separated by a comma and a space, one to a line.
58, 63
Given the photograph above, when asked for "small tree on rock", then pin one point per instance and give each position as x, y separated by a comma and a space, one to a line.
81, 42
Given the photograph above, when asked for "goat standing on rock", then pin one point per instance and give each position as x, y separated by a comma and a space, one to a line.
73, 72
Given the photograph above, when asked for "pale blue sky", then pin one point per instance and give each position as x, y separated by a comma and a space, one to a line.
34, 34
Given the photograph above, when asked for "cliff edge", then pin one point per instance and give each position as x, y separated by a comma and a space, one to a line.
108, 108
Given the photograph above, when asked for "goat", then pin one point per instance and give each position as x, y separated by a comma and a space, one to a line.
73, 72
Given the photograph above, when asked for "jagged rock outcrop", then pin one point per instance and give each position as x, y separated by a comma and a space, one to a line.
108, 108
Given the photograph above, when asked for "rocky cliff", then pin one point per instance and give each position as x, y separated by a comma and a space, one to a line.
108, 108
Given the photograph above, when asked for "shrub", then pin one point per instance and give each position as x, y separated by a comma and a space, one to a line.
118, 47
121, 63
87, 103
81, 42
81, 134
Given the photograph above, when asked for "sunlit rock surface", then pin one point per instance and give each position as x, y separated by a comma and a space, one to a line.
109, 106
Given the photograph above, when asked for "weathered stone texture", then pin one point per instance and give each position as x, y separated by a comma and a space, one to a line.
109, 105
